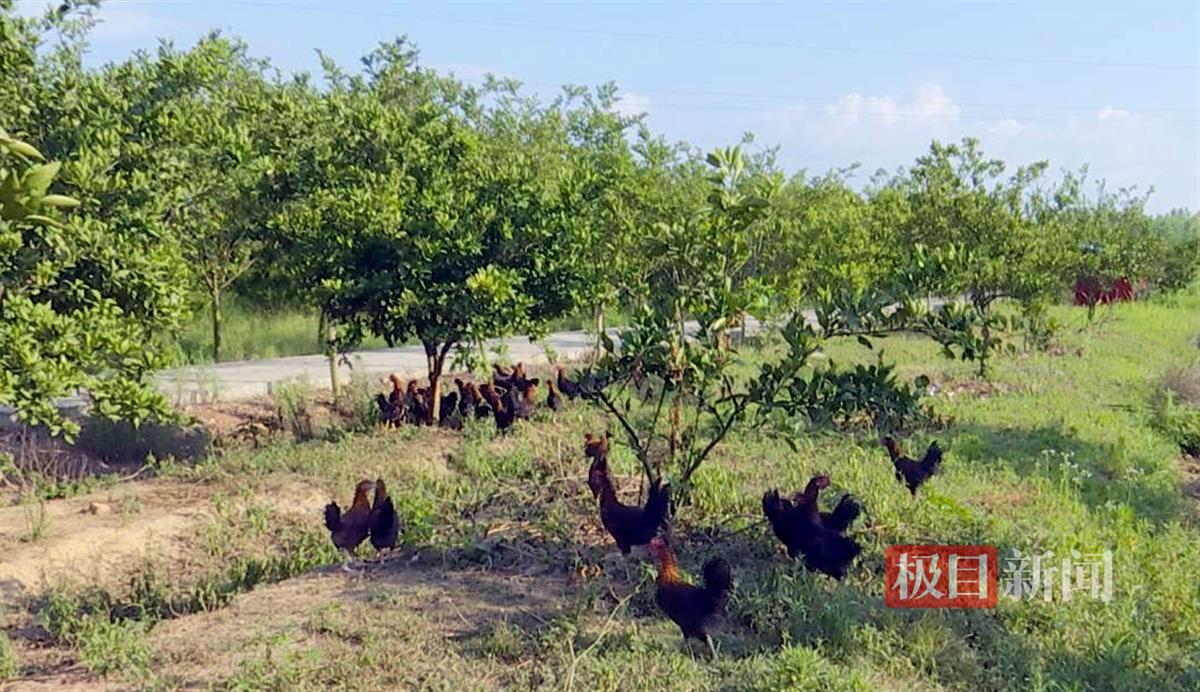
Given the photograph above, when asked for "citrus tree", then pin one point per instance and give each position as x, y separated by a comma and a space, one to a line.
433, 212
79, 302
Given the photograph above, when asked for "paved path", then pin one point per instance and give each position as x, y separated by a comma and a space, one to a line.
246, 379
251, 378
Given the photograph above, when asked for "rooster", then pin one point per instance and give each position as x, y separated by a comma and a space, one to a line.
506, 379
415, 404
818, 536
384, 524
448, 413
566, 386
596, 449
909, 471
690, 606
520, 397
502, 413
482, 409
629, 525
468, 397
391, 407
350, 528
553, 399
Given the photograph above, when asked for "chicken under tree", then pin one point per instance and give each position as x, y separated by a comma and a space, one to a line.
391, 407
502, 413
566, 386
690, 606
629, 525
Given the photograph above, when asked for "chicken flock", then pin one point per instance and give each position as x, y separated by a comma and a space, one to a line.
823, 539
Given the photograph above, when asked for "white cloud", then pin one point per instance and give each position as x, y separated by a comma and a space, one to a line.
1110, 113
1124, 146
1008, 127
630, 104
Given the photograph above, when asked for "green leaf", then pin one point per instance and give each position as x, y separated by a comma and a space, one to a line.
37, 179
16, 146
60, 201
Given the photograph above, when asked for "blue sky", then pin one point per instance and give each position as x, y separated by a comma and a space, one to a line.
1115, 85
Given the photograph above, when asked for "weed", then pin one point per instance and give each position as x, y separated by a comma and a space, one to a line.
35, 520
9, 668
293, 399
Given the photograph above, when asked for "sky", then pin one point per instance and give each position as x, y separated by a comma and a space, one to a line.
1115, 85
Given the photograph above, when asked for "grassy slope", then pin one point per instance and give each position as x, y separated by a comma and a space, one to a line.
1059, 458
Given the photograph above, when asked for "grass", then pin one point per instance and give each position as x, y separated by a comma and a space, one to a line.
504, 580
251, 333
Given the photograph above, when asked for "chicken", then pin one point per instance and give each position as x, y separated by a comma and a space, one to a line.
520, 398
482, 408
502, 413
689, 606
384, 524
909, 471
391, 407
350, 528
553, 399
629, 525
415, 404
389, 414
566, 386
818, 536
506, 379
468, 397
448, 416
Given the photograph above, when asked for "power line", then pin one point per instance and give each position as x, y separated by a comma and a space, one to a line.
856, 50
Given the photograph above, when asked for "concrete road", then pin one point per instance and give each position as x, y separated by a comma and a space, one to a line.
246, 379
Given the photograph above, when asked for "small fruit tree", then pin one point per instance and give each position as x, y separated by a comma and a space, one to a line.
434, 212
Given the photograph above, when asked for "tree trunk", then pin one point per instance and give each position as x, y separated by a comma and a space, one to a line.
598, 324
215, 297
335, 383
985, 332
436, 359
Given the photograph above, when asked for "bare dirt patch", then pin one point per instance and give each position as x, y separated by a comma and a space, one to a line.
100, 537
421, 613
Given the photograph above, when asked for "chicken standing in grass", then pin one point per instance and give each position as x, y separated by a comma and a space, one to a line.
384, 524
501, 412
520, 398
391, 407
911, 472
553, 400
350, 528
818, 536
629, 525
566, 386
690, 606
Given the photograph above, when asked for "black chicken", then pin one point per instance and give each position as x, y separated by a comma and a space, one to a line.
384, 524
911, 472
818, 536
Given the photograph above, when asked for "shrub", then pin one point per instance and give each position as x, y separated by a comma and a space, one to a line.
1176, 409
